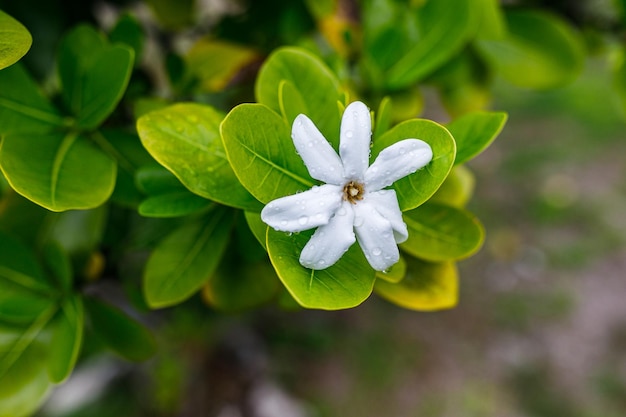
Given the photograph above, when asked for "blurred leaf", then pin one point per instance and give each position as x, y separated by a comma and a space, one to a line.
311, 78
383, 118
22, 106
66, 340
426, 286
155, 180
174, 204
238, 284
257, 227
24, 385
15, 40
215, 63
19, 266
492, 23
540, 50
474, 132
185, 138
345, 284
93, 74
619, 77
65, 170
58, 263
440, 233
119, 332
173, 14
259, 147
185, 260
79, 232
127, 30
416, 188
444, 27
394, 274
457, 189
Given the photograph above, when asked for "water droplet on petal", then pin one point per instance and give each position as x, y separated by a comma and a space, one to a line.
310, 144
374, 169
284, 222
358, 221
341, 211
321, 262
376, 251
349, 134
303, 220
402, 151
315, 189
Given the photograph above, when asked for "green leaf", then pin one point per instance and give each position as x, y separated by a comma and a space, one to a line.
19, 266
492, 23
127, 30
257, 227
383, 118
24, 385
311, 78
173, 14
346, 284
540, 50
619, 78
474, 132
174, 204
185, 260
58, 263
79, 232
394, 274
426, 286
59, 171
93, 74
457, 189
215, 63
444, 27
67, 339
185, 138
119, 332
259, 146
22, 106
440, 233
15, 40
418, 187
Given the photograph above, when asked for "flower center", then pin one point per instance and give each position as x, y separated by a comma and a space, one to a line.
353, 192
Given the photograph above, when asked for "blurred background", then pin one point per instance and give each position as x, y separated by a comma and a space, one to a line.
540, 328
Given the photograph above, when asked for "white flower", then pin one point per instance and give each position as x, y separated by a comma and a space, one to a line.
352, 198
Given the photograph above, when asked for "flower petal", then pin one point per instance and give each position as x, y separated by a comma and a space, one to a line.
318, 155
355, 138
303, 211
386, 203
331, 241
397, 161
375, 235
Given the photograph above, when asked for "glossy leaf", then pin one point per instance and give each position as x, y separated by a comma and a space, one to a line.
311, 78
259, 146
22, 106
426, 286
185, 138
540, 50
185, 260
440, 233
346, 284
15, 40
119, 332
93, 75
457, 189
64, 170
25, 384
445, 26
474, 132
395, 274
416, 188
215, 63
66, 340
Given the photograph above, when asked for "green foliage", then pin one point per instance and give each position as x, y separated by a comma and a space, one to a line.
15, 40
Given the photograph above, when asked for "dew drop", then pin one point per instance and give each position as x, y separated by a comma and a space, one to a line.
341, 211
349, 134
358, 221
192, 119
401, 151
315, 189
374, 169
284, 222
321, 262
310, 144
376, 251
303, 220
